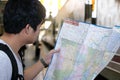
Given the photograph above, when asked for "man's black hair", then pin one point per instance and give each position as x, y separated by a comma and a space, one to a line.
19, 13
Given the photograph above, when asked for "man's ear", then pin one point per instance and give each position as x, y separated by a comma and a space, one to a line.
27, 28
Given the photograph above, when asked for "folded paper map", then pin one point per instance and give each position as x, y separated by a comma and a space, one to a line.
86, 49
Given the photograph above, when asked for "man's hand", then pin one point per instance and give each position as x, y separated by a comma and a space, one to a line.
48, 57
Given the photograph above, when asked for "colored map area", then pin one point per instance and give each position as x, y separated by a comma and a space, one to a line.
86, 49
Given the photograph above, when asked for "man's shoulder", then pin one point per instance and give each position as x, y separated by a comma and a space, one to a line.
3, 57
3, 54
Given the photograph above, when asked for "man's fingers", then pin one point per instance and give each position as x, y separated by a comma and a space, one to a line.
54, 51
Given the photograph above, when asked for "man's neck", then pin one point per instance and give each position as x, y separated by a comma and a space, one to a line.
13, 41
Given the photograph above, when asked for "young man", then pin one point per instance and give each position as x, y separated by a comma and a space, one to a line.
22, 20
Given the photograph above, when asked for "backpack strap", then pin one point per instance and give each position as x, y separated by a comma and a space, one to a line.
21, 56
9, 53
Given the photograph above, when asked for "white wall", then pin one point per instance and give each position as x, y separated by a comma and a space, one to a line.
108, 12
